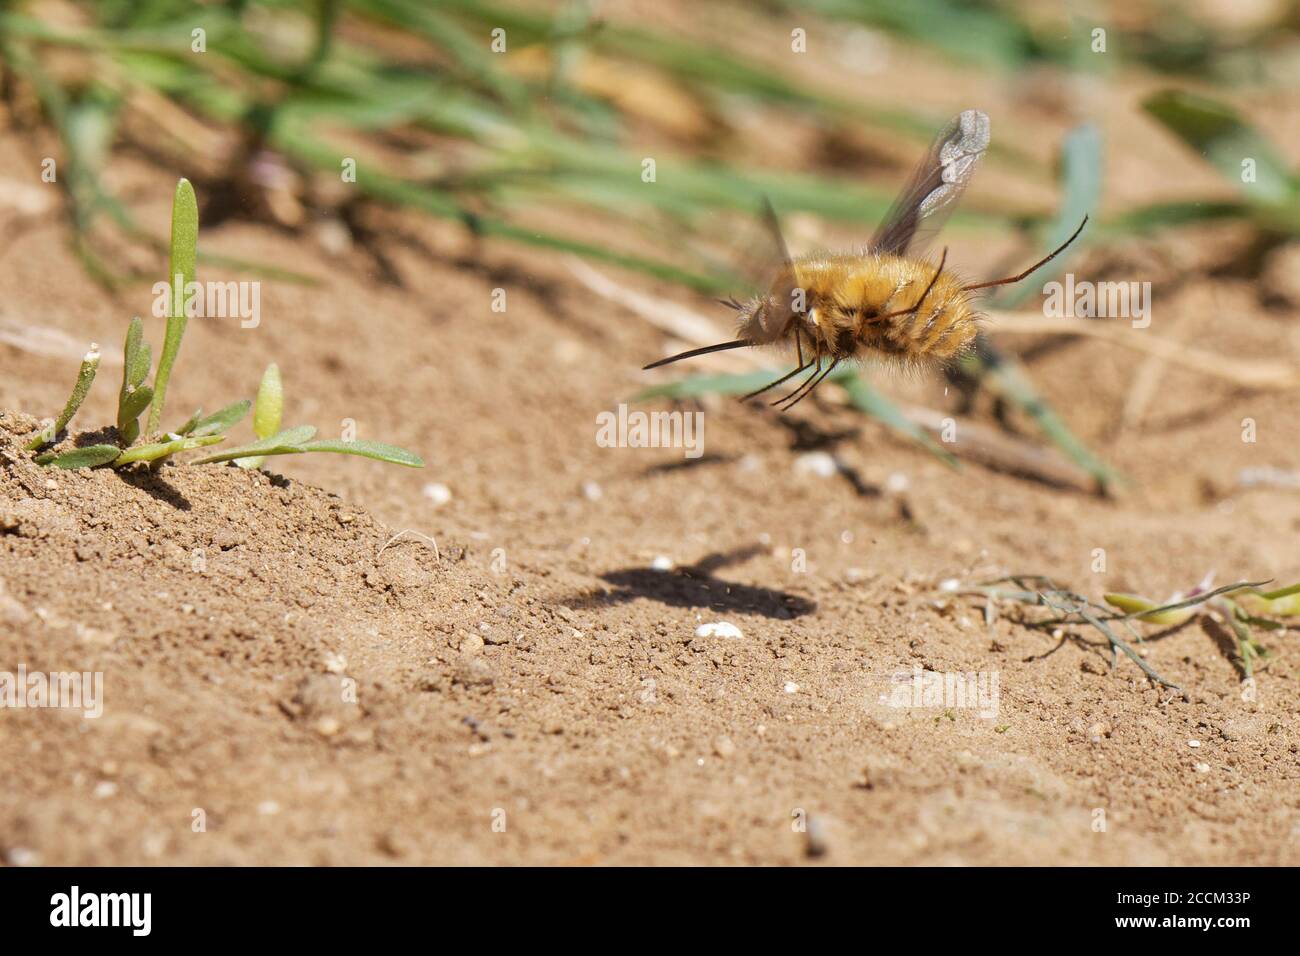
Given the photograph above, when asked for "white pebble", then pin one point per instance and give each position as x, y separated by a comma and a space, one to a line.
437, 493
1193, 743
105, 789
718, 629
818, 463
592, 491
662, 563
950, 585
791, 687
897, 483
268, 808
22, 856
1202, 768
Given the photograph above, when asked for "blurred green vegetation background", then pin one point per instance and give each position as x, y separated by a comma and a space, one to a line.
519, 119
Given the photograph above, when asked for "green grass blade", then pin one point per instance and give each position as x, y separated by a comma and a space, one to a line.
184, 245
696, 385
1081, 184
89, 456
867, 399
1218, 133
1008, 379
85, 377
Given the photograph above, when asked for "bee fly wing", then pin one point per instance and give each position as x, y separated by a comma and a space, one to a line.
780, 279
937, 183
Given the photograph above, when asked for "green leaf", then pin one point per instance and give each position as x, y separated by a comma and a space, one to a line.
281, 443
366, 449
134, 396
290, 442
270, 403
221, 421
190, 423
1145, 610
86, 457
1217, 132
184, 245
268, 411
85, 376
160, 450
134, 405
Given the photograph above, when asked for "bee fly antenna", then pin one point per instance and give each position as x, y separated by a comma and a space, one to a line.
1034, 268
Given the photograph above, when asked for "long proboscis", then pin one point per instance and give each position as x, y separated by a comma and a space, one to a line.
720, 347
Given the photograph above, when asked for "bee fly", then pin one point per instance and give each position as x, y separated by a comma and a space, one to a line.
885, 300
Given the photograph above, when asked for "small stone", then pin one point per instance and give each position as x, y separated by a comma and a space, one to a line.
471, 644
1193, 743
327, 726
268, 808
1202, 768
723, 747
815, 838
592, 491
438, 493
791, 687
718, 629
817, 463
22, 856
105, 789
335, 663
662, 563
1098, 730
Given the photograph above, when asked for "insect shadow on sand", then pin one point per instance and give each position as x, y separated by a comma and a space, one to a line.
696, 586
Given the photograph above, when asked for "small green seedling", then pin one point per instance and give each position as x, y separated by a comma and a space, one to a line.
199, 431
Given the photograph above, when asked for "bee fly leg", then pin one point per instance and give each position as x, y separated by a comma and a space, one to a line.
816, 365
819, 379
783, 378
789, 375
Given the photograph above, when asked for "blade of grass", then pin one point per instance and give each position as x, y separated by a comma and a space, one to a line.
180, 272
1218, 133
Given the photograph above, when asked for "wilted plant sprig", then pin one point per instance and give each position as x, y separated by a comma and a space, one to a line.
136, 397
1247, 607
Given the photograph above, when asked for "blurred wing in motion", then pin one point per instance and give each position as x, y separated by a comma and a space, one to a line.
936, 185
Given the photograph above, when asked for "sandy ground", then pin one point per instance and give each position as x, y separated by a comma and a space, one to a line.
519, 683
